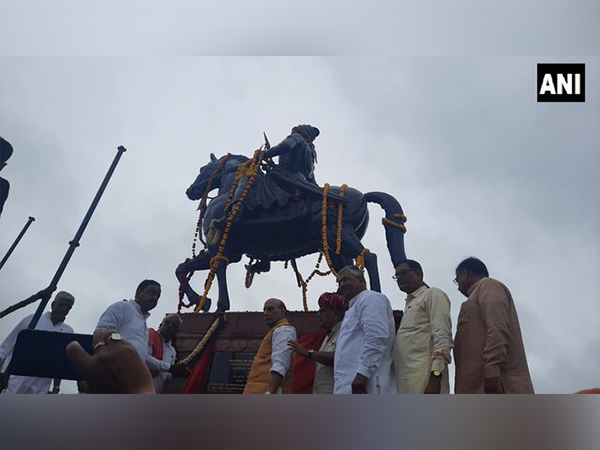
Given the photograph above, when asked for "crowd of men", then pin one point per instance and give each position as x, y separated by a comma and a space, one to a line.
362, 352
122, 327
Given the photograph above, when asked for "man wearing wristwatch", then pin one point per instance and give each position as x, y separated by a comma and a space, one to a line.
424, 339
331, 313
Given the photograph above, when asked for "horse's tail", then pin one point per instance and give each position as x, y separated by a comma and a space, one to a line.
393, 222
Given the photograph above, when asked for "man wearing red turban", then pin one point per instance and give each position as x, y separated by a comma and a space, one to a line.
331, 313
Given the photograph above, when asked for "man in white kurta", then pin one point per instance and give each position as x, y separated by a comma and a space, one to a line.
49, 321
129, 317
363, 362
424, 339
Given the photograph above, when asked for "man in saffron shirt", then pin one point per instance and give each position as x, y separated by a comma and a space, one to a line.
272, 370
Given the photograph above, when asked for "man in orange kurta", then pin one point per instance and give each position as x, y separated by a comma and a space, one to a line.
488, 348
272, 371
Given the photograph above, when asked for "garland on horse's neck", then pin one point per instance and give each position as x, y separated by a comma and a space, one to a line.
249, 168
203, 205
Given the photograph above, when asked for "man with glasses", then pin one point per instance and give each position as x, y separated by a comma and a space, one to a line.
424, 339
488, 348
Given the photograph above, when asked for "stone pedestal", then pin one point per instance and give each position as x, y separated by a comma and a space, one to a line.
235, 345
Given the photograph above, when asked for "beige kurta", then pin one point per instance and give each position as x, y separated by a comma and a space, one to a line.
488, 341
323, 383
423, 341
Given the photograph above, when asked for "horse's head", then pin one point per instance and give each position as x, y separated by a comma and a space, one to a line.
198, 187
214, 170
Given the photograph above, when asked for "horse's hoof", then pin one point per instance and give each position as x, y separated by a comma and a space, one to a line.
222, 308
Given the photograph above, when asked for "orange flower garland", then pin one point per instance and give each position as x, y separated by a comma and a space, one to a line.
304, 284
360, 259
324, 221
387, 221
187, 360
249, 168
338, 241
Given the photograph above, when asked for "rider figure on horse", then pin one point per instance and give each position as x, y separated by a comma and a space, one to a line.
297, 158
295, 171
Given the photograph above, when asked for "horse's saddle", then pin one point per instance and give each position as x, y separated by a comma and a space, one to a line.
273, 192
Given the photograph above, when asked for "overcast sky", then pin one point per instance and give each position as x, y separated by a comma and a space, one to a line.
478, 165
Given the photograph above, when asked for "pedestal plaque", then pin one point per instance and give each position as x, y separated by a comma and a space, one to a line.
234, 347
229, 373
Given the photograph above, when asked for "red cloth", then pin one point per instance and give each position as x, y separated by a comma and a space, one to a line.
201, 370
589, 391
304, 374
156, 344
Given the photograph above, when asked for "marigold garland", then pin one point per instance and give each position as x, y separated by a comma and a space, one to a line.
324, 221
203, 202
188, 359
360, 259
249, 168
387, 221
338, 241
304, 284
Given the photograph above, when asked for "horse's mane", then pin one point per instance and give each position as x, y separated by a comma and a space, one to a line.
243, 158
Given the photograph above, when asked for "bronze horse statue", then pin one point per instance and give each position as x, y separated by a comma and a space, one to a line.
283, 232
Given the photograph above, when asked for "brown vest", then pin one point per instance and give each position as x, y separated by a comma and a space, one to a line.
259, 378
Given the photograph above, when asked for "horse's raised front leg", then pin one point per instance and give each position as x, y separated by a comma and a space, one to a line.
201, 262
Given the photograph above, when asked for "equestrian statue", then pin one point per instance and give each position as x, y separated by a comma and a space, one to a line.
277, 212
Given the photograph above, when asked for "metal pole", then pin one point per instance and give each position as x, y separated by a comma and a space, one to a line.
75, 242
17, 306
12, 248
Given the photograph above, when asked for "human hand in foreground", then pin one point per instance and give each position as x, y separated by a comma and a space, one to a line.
298, 348
115, 367
359, 385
